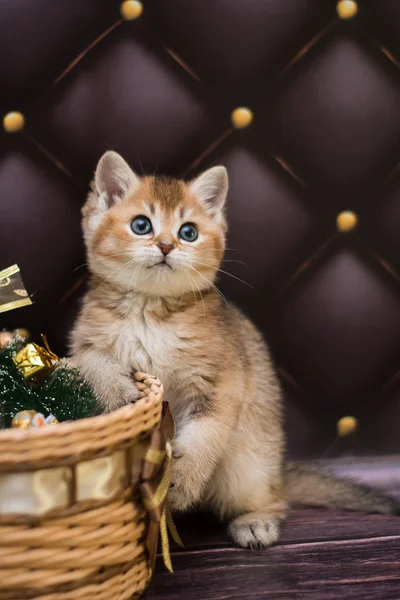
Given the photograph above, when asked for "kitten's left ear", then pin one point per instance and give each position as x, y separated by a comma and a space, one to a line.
211, 188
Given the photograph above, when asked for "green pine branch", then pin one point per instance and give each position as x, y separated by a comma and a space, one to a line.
63, 393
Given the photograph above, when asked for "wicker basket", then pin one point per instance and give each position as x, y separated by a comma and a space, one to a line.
92, 545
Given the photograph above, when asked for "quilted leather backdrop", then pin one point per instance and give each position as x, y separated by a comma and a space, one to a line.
325, 94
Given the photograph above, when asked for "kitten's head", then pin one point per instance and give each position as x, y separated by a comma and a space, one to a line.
155, 235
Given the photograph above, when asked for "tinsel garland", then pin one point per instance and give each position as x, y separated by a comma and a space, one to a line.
62, 392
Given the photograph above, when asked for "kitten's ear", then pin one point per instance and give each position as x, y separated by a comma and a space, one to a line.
211, 188
113, 178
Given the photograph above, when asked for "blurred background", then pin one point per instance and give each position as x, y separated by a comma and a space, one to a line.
300, 99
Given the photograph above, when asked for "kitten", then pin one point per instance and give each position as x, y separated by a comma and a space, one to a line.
154, 247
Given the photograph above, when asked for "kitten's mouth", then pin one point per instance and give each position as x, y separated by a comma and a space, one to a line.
161, 265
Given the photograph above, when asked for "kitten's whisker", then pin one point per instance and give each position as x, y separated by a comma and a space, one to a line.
80, 267
226, 273
192, 288
100, 259
210, 283
112, 255
135, 274
133, 277
225, 248
240, 262
180, 301
140, 163
129, 262
211, 253
201, 295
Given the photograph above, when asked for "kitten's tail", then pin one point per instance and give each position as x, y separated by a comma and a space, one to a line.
309, 486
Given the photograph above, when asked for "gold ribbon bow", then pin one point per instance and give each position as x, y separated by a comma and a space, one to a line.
33, 358
154, 486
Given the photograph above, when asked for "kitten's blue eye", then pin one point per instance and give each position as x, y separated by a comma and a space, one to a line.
188, 232
141, 226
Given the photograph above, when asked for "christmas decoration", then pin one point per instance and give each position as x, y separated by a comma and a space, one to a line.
12, 290
7, 337
31, 418
32, 378
32, 359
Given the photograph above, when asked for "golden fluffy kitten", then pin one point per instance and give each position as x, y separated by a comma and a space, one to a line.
154, 246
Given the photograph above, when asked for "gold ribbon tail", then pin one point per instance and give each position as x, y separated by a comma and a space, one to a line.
166, 554
167, 525
172, 529
154, 486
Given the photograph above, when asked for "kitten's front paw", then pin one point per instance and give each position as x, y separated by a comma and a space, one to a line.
120, 394
133, 395
254, 530
128, 393
186, 485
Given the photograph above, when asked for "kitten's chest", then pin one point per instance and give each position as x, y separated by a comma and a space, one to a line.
147, 343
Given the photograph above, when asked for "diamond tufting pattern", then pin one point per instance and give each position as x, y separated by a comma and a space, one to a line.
325, 137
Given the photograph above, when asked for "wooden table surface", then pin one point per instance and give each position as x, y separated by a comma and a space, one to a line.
322, 555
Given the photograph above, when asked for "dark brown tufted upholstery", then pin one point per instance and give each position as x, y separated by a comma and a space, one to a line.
325, 137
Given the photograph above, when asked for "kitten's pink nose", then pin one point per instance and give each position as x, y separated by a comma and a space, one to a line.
165, 248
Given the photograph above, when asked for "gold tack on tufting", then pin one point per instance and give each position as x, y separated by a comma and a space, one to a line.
13, 122
346, 220
347, 9
131, 9
241, 117
346, 426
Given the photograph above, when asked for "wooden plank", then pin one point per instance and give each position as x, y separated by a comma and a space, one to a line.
200, 531
362, 569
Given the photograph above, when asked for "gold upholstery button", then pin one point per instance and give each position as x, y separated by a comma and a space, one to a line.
346, 220
131, 9
241, 117
13, 121
347, 9
346, 426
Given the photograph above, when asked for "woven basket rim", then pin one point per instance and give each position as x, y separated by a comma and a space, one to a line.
50, 431
98, 422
